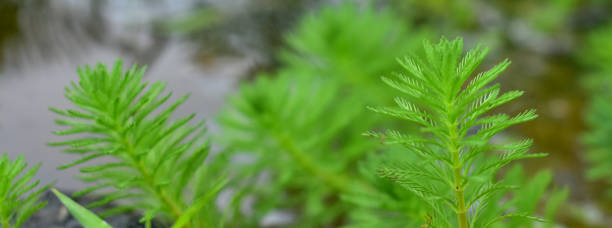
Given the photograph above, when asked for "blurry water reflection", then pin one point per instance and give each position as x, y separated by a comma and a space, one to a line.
57, 36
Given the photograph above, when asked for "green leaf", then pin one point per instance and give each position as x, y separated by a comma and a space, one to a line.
87, 218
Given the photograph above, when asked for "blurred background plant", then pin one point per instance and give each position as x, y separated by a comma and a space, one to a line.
595, 56
209, 47
308, 115
356, 53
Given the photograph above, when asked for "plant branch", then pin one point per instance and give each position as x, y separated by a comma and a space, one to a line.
161, 194
454, 150
337, 181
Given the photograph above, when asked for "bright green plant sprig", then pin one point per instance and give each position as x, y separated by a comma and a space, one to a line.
158, 164
18, 197
453, 176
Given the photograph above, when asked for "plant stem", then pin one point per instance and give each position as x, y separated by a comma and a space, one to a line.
338, 182
461, 210
162, 194
455, 150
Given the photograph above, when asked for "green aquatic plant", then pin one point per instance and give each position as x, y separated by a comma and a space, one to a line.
391, 205
596, 55
445, 15
357, 53
301, 125
551, 15
528, 195
454, 176
19, 198
156, 164
597, 139
302, 134
395, 206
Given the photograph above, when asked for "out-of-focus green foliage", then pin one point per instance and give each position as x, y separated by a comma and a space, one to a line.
454, 177
526, 198
156, 162
302, 125
392, 205
198, 20
548, 16
18, 197
303, 136
459, 17
354, 43
551, 15
597, 56
449, 14
598, 137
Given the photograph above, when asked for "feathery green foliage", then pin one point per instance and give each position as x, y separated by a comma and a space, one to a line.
18, 197
526, 197
157, 163
396, 207
453, 176
597, 55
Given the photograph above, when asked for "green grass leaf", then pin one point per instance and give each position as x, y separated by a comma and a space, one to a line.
87, 218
